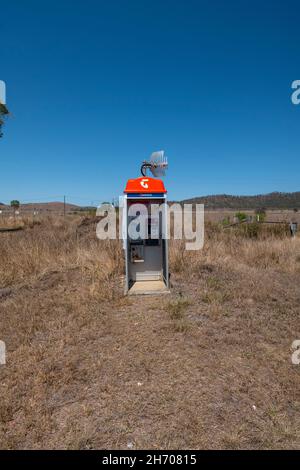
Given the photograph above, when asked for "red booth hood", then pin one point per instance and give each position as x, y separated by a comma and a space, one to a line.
145, 185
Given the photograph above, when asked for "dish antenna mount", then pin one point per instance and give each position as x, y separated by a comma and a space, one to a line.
157, 164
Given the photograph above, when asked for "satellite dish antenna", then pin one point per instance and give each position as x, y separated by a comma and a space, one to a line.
157, 164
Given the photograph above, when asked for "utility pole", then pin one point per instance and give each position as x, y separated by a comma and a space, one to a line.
64, 206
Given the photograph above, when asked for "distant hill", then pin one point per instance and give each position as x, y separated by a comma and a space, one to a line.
274, 200
49, 206
45, 207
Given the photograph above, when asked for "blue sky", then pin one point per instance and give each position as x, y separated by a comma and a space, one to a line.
95, 86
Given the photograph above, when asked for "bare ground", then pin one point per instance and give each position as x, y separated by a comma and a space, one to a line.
208, 366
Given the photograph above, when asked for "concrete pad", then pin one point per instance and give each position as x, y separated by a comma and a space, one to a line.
148, 287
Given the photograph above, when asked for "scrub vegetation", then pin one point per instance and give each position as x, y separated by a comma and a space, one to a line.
207, 366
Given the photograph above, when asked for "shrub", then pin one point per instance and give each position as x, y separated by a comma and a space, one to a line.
226, 221
261, 214
176, 308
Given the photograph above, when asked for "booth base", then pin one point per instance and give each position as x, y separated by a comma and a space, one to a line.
148, 287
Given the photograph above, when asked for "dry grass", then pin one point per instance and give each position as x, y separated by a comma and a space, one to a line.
55, 245
207, 367
230, 248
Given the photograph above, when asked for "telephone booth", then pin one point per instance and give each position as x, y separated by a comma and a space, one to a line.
145, 236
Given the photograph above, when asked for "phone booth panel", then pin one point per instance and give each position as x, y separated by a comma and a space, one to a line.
146, 253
